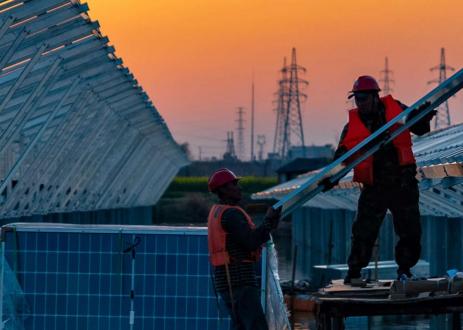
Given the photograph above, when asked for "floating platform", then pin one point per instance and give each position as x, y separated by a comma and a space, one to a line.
429, 296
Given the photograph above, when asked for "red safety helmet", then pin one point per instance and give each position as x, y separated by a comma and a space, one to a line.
365, 84
221, 177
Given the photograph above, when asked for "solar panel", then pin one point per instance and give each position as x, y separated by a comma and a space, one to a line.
109, 277
78, 133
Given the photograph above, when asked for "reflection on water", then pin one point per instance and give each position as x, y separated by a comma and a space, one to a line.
304, 321
282, 240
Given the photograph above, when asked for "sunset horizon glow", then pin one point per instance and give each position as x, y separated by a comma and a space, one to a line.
196, 59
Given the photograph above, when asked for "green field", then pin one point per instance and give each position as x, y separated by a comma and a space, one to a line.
249, 184
187, 199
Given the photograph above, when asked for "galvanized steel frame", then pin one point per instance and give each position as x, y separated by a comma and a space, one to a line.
89, 137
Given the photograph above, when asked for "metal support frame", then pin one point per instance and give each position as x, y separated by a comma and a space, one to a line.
67, 148
76, 157
81, 150
29, 185
24, 113
87, 165
134, 182
125, 175
99, 167
9, 54
18, 163
149, 191
150, 174
98, 187
115, 173
25, 72
45, 173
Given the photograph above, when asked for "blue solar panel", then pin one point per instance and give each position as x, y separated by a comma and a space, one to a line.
76, 277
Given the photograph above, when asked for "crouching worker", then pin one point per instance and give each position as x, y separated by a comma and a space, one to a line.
234, 248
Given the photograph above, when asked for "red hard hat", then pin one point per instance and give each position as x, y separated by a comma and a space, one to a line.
221, 177
363, 84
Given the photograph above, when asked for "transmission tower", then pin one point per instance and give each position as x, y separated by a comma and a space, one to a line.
386, 78
290, 97
261, 143
240, 131
443, 114
230, 149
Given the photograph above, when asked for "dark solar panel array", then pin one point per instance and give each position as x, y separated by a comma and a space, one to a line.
82, 278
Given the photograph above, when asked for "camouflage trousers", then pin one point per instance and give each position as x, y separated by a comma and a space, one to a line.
374, 201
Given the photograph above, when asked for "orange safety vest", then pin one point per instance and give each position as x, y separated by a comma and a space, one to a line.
216, 236
357, 132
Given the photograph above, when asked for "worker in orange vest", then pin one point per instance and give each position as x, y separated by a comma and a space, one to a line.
388, 179
235, 245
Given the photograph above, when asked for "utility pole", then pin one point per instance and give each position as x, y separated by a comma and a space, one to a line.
240, 131
443, 113
252, 119
261, 142
200, 152
386, 78
289, 112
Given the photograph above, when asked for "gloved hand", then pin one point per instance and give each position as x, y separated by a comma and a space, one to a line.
327, 184
429, 116
272, 217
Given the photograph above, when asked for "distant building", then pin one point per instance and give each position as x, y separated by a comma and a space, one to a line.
273, 155
299, 166
313, 151
205, 168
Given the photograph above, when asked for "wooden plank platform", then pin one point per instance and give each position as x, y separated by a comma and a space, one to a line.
337, 288
338, 301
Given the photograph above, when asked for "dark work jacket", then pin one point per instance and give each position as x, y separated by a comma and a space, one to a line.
240, 242
386, 168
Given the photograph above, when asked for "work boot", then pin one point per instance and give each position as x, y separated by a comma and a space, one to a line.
404, 274
353, 276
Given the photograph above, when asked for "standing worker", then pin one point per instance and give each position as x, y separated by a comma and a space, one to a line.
234, 248
388, 178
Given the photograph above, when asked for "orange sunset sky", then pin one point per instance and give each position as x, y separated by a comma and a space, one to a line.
196, 58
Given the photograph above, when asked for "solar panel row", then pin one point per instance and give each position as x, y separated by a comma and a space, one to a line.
77, 130
95, 277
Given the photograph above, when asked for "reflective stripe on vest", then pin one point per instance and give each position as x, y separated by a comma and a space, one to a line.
357, 132
216, 236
